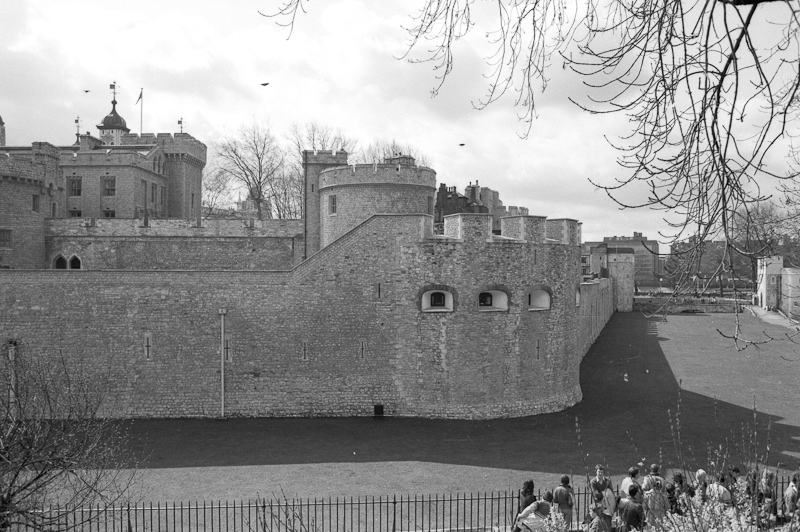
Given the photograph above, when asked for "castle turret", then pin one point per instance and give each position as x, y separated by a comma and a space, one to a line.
112, 127
315, 162
351, 194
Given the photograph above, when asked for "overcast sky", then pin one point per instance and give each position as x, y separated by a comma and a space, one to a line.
204, 61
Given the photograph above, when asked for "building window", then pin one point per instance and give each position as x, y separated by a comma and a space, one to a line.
192, 205
35, 204
539, 299
430, 205
75, 186
5, 238
75, 214
60, 263
163, 193
493, 301
74, 263
437, 301
332, 204
110, 214
110, 186
153, 191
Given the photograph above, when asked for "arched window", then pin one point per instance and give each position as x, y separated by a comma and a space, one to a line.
60, 263
539, 299
437, 301
492, 301
74, 263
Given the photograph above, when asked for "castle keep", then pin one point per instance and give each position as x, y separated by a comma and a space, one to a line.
356, 308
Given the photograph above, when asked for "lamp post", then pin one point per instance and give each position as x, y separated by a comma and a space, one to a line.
222, 313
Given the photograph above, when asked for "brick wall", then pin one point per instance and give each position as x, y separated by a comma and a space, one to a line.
338, 334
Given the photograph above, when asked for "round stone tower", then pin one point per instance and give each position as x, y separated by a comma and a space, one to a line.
351, 194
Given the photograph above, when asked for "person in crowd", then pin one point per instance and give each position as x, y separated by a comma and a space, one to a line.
626, 483
683, 492
701, 484
631, 512
546, 505
672, 499
564, 497
737, 484
790, 498
718, 490
655, 503
655, 474
534, 517
609, 506
526, 498
600, 483
767, 499
597, 523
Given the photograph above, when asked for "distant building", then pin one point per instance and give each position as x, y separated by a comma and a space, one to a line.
778, 287
123, 175
710, 264
648, 268
249, 206
475, 199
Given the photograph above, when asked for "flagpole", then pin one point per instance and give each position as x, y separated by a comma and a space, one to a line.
141, 111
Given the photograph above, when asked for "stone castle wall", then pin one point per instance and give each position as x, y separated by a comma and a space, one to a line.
26, 174
176, 244
26, 226
334, 336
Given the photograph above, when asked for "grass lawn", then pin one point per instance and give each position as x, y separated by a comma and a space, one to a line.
621, 422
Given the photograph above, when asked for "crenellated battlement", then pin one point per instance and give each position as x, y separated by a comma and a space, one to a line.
371, 174
327, 157
171, 143
39, 162
530, 229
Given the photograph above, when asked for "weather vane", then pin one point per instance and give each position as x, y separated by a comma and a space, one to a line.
180, 123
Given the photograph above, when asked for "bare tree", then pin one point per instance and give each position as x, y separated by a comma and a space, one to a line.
216, 189
381, 149
710, 89
55, 446
254, 159
287, 194
316, 136
310, 136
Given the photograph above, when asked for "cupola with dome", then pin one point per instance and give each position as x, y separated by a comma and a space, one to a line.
113, 126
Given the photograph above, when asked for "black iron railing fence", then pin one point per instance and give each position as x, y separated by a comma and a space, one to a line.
468, 512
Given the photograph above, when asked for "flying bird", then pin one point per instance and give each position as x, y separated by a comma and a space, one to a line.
85, 90
264, 84
462, 144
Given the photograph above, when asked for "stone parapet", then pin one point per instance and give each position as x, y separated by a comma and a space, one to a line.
529, 228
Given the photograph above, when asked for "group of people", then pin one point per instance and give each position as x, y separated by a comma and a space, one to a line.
637, 504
